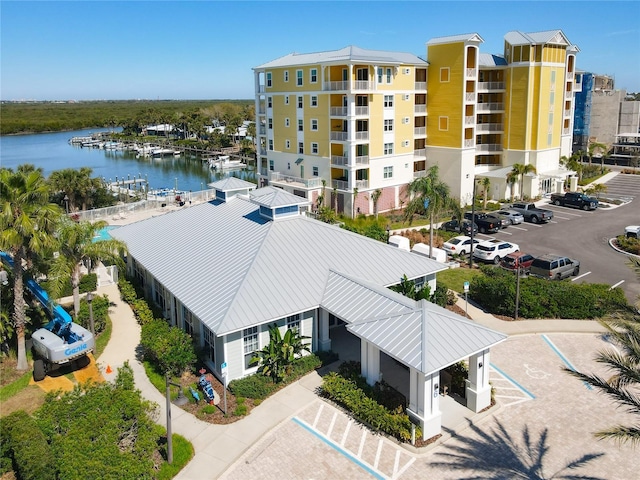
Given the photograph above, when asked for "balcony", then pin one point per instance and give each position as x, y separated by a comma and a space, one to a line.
361, 184
262, 131
339, 161
339, 136
420, 131
262, 111
362, 111
419, 174
490, 107
363, 85
421, 86
489, 147
261, 89
277, 177
338, 111
362, 136
469, 120
471, 72
491, 86
468, 143
470, 97
566, 131
263, 151
567, 112
420, 109
489, 127
420, 153
334, 86
340, 184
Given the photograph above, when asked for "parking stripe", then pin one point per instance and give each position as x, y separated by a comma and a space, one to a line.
580, 276
617, 284
513, 382
563, 358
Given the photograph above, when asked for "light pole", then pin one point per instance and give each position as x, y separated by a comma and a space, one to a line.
89, 299
388, 232
473, 220
66, 203
515, 317
181, 400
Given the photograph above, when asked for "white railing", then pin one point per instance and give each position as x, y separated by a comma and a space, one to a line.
307, 182
420, 109
362, 184
421, 86
419, 174
362, 110
491, 86
261, 111
420, 131
469, 120
568, 94
261, 89
566, 131
363, 85
470, 97
262, 131
469, 142
489, 127
567, 112
362, 135
490, 106
420, 152
471, 72
340, 184
333, 86
263, 151
489, 147
339, 160
338, 111
362, 160
339, 136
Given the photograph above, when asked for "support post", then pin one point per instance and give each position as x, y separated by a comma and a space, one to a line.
169, 439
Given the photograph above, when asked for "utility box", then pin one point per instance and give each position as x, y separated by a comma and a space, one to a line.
438, 254
400, 242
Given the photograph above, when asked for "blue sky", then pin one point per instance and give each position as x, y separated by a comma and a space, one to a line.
87, 50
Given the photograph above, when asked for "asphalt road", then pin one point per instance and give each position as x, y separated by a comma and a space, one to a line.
585, 236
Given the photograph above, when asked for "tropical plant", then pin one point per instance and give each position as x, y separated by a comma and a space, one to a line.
408, 288
27, 223
512, 178
375, 196
596, 189
353, 205
573, 163
623, 386
275, 358
486, 185
77, 248
593, 146
520, 170
428, 195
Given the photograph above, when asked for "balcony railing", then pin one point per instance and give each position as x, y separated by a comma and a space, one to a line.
489, 147
338, 111
420, 131
362, 135
419, 174
263, 151
420, 109
262, 131
490, 107
333, 86
307, 182
489, 127
261, 111
491, 86
339, 161
471, 72
566, 131
470, 97
420, 152
360, 184
362, 110
340, 184
261, 89
567, 112
362, 160
469, 142
363, 85
421, 86
469, 120
339, 136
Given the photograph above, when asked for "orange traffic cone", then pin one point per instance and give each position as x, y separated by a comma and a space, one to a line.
109, 369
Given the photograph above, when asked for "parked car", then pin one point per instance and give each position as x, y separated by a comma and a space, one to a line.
632, 231
493, 250
485, 224
501, 220
460, 245
574, 199
554, 267
531, 213
516, 217
518, 260
454, 225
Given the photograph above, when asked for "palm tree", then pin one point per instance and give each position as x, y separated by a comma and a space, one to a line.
77, 248
486, 185
353, 205
430, 195
27, 223
512, 178
593, 146
521, 170
623, 386
596, 189
375, 196
276, 357
573, 163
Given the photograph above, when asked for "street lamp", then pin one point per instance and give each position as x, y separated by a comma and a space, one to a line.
66, 202
473, 220
89, 299
181, 400
388, 232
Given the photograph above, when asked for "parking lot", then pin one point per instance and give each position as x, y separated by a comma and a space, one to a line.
585, 236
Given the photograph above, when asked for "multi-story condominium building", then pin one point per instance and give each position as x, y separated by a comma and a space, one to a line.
352, 126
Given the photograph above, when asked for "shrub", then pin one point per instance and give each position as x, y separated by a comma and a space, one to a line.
168, 347
209, 409
88, 283
253, 386
100, 307
630, 245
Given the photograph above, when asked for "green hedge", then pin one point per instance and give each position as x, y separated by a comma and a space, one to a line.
88, 283
347, 393
631, 245
100, 307
540, 298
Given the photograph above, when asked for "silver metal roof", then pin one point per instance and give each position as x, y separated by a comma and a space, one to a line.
537, 38
234, 269
464, 37
491, 60
230, 184
276, 197
350, 54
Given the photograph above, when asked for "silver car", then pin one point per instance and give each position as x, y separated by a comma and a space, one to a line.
515, 217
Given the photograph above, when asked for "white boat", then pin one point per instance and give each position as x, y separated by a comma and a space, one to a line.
161, 152
224, 162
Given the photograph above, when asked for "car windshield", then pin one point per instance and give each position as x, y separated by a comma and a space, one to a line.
509, 260
486, 248
455, 241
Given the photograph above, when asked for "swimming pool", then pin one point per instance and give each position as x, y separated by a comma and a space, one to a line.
103, 233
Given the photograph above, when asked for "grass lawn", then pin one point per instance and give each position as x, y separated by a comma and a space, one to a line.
454, 278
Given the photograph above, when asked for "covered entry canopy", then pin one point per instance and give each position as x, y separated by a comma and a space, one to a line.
421, 335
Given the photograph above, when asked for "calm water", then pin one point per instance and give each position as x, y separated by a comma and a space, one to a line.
52, 151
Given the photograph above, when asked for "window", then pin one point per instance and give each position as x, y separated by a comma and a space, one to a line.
388, 172
300, 125
388, 75
379, 74
552, 98
314, 75
314, 124
444, 74
443, 123
300, 147
299, 78
210, 344
250, 343
269, 102
314, 148
270, 144
268, 79
299, 102
388, 125
550, 118
549, 139
271, 166
315, 172
388, 149
553, 76
286, 99
286, 122
188, 320
287, 144
286, 75
388, 101
270, 122
293, 322
314, 100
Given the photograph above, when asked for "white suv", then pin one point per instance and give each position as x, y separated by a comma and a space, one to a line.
493, 250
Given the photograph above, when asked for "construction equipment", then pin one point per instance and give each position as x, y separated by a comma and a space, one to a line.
60, 341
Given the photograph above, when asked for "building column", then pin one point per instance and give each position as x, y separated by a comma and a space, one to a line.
478, 390
369, 362
424, 402
324, 342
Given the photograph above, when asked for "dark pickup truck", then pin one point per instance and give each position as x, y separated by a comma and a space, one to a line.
485, 224
531, 213
574, 199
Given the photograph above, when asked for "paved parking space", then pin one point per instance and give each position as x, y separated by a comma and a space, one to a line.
322, 442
